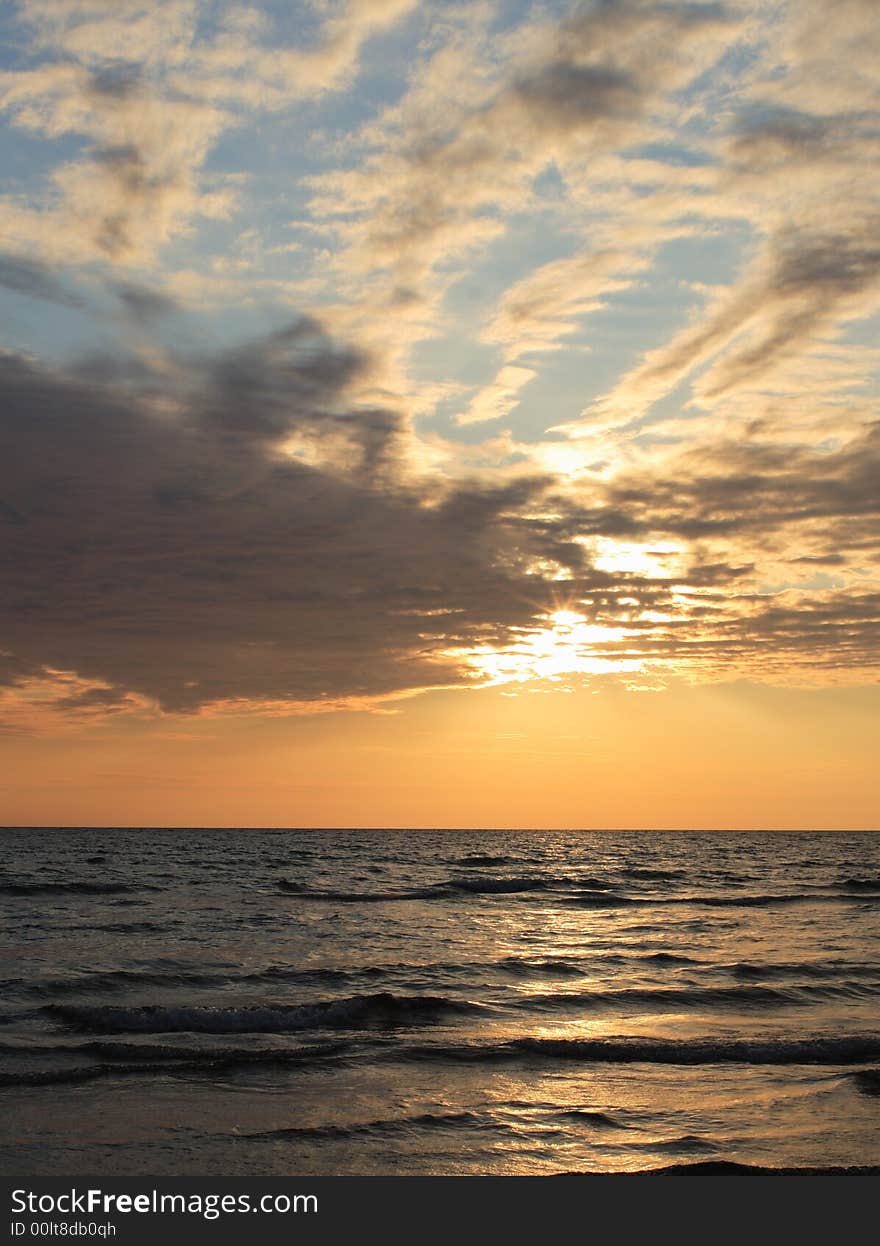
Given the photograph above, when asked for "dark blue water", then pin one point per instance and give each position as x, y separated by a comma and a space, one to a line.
437, 1002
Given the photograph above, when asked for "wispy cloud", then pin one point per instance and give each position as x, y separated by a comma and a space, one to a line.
151, 96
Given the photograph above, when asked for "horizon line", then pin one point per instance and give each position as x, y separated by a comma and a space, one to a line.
510, 830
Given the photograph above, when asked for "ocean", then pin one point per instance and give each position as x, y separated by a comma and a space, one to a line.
292, 1002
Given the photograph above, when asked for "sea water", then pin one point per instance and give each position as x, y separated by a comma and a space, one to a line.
422, 1002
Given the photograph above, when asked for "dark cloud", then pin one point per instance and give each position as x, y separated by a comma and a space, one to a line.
34, 279
600, 72
144, 305
825, 263
609, 21
265, 389
774, 135
837, 631
822, 560
185, 558
806, 278
565, 96
117, 81
750, 489
137, 188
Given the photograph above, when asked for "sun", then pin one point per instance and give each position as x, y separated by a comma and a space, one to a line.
562, 644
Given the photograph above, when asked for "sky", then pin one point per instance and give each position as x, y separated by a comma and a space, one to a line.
439, 414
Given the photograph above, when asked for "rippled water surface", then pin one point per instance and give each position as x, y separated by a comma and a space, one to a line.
437, 1002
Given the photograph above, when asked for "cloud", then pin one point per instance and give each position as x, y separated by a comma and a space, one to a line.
537, 312
138, 185
268, 526
805, 284
36, 280
240, 67
151, 95
144, 305
580, 86
753, 488
187, 554
189, 559
790, 162
451, 166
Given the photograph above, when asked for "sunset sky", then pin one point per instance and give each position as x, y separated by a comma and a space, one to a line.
439, 414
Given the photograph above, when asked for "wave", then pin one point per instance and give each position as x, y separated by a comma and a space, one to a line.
594, 899
691, 1051
595, 1120
688, 1144
116, 981
129, 927
524, 967
749, 970
582, 893
383, 1010
671, 958
78, 888
764, 901
482, 859
142, 1060
730, 1168
745, 997
112, 980
577, 967
500, 886
360, 897
590, 899
861, 884
868, 1081
114, 1059
125, 1050
521, 967
50, 1077
430, 1121
636, 871
480, 885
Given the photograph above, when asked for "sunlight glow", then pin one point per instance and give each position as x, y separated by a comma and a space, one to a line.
659, 561
568, 645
